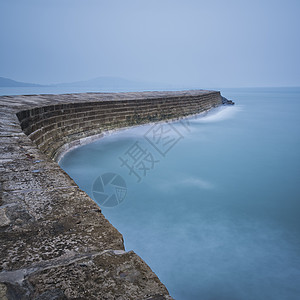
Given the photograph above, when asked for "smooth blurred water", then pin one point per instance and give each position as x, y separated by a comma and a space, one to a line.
218, 216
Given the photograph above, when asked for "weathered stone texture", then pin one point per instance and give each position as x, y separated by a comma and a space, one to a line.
54, 241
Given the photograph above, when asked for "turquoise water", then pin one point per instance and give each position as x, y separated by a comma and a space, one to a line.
216, 211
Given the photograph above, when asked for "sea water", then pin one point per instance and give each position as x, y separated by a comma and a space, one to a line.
211, 203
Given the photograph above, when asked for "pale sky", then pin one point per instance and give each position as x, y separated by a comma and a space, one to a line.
232, 43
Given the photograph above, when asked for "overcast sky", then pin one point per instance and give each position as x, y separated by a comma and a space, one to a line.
217, 43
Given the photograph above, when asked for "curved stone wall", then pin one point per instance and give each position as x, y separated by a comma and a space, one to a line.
54, 241
54, 126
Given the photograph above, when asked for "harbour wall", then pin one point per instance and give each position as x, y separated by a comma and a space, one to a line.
54, 241
52, 128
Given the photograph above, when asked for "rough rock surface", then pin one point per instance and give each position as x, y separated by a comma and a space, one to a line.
54, 241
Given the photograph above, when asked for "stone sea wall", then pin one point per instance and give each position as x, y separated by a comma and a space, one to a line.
54, 241
54, 126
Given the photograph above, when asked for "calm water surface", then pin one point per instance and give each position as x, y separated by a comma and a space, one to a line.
217, 215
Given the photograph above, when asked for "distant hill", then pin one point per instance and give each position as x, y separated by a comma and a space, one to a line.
105, 83
101, 83
5, 82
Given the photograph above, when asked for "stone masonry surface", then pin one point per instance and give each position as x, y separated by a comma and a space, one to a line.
55, 242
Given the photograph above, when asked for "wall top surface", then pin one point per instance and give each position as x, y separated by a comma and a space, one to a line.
21, 102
